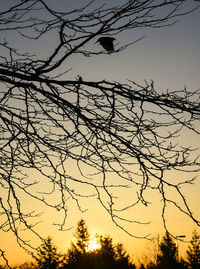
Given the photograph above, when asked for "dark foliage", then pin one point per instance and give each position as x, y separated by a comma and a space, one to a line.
193, 252
107, 256
47, 256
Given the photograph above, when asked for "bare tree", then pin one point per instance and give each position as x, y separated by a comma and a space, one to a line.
113, 130
149, 257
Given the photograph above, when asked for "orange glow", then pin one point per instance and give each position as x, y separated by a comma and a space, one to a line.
93, 245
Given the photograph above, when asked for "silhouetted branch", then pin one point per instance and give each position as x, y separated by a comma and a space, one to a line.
104, 129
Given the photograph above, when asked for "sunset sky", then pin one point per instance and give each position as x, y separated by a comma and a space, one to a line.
171, 57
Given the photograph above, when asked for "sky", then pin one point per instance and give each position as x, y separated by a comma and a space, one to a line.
170, 56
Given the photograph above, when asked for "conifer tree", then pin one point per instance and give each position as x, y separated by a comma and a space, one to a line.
79, 248
167, 257
47, 256
193, 252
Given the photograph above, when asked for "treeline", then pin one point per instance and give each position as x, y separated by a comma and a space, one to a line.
107, 255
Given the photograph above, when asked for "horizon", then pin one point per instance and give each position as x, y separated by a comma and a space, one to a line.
182, 245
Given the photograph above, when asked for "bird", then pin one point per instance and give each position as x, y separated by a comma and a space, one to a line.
107, 43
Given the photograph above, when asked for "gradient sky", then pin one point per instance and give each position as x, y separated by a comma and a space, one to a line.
171, 57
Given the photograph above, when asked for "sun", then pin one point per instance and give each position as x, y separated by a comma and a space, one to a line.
93, 245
